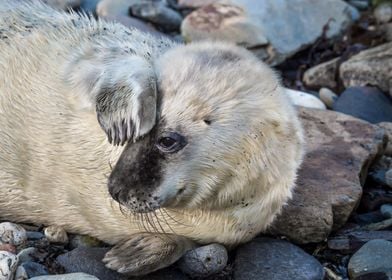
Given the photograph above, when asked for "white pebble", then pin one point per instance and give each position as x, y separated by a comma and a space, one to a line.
12, 234
304, 99
8, 263
56, 234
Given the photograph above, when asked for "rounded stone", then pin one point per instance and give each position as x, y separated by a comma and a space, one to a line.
383, 12
69, 276
12, 234
386, 210
373, 257
34, 269
56, 234
8, 264
266, 258
204, 261
304, 99
27, 254
327, 96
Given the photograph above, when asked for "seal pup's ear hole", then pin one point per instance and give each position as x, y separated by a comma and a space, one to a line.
121, 89
207, 121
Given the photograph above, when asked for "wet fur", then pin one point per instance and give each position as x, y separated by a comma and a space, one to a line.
227, 185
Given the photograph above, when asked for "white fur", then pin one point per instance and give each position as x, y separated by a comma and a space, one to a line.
55, 158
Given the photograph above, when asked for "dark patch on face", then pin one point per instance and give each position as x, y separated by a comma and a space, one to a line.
137, 174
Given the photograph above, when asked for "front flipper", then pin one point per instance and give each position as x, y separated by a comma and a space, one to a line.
147, 252
120, 87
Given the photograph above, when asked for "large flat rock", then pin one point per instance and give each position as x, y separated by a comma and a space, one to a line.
369, 67
281, 27
340, 149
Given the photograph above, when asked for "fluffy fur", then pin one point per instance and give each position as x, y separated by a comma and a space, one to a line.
228, 183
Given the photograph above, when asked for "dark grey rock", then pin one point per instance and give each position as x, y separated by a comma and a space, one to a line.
360, 4
386, 210
204, 261
374, 257
157, 12
266, 258
88, 260
34, 269
69, 276
382, 177
366, 103
89, 6
34, 235
27, 254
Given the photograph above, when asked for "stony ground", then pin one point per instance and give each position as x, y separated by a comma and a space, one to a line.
335, 58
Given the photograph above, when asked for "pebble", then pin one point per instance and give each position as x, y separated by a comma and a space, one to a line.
87, 260
12, 234
383, 12
63, 4
56, 234
328, 97
34, 269
27, 254
8, 264
266, 258
323, 74
8, 247
204, 261
373, 257
114, 7
158, 13
89, 6
69, 276
21, 273
304, 99
35, 235
366, 103
388, 176
386, 210
84, 241
360, 4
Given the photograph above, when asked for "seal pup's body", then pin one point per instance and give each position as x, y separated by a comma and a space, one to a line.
237, 140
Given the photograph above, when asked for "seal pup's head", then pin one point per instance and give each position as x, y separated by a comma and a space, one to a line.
224, 124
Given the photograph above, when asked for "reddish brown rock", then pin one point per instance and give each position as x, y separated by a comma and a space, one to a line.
340, 150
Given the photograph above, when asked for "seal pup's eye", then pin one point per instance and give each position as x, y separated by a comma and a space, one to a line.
171, 142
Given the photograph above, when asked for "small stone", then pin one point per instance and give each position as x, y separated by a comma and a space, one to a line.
63, 4
304, 99
21, 273
12, 234
360, 4
84, 241
88, 260
134, 23
373, 257
266, 258
8, 264
69, 276
328, 97
158, 13
28, 254
322, 75
388, 178
204, 261
8, 247
56, 234
387, 126
114, 7
369, 67
194, 3
35, 235
89, 6
368, 218
386, 210
366, 103
383, 12
34, 269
